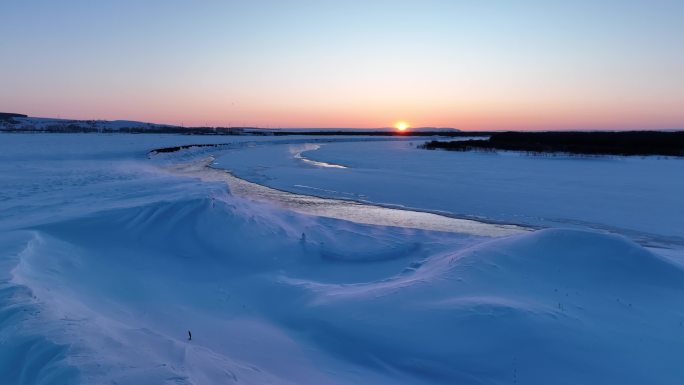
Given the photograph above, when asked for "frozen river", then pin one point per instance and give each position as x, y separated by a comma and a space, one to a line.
328, 262
640, 197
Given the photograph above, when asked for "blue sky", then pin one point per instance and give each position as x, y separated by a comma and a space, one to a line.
467, 64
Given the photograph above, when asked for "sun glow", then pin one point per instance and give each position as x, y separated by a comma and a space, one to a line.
401, 126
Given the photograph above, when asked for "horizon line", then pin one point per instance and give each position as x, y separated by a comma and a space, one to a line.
272, 127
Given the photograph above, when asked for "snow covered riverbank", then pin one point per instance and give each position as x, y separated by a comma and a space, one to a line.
107, 259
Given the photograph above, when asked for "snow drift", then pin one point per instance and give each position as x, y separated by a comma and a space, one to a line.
119, 289
105, 289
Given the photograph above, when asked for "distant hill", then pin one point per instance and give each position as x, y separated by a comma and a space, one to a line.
10, 115
10, 122
13, 122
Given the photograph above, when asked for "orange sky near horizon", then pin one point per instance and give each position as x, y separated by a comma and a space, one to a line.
466, 117
524, 65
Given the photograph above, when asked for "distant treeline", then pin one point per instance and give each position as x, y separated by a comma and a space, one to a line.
586, 143
370, 132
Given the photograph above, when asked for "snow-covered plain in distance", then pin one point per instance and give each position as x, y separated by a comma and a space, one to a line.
637, 196
108, 257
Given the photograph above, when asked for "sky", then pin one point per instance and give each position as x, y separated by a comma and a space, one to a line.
473, 65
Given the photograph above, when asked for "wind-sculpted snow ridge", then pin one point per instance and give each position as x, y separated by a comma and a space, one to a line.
26, 355
126, 284
346, 304
556, 306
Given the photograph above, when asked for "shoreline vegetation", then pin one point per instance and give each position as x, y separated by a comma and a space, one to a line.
626, 143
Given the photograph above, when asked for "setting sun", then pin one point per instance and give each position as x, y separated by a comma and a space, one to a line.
401, 126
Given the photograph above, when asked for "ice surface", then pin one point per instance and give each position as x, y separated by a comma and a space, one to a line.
108, 258
633, 196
